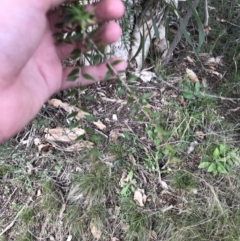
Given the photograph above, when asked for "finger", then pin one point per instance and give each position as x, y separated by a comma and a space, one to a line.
97, 72
55, 3
107, 34
105, 10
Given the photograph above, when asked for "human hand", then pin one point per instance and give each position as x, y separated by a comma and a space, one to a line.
30, 62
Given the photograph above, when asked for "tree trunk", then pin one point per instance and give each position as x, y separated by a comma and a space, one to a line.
143, 26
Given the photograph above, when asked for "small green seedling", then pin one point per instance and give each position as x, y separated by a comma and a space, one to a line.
128, 185
222, 160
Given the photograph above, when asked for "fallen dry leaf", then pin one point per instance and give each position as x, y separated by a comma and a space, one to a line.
117, 210
192, 147
37, 141
204, 56
132, 159
73, 148
39, 193
182, 101
99, 125
124, 227
207, 30
192, 76
69, 109
190, 60
200, 134
152, 235
95, 229
63, 134
165, 209
215, 61
114, 117
164, 185
140, 197
43, 149
114, 135
204, 82
109, 159
145, 75
124, 179
215, 73
114, 239
69, 238
221, 20
30, 168
117, 101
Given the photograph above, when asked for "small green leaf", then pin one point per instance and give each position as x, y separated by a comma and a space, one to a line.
204, 164
74, 72
216, 153
88, 77
212, 167
121, 91
126, 135
89, 97
130, 100
157, 142
72, 93
132, 189
223, 159
197, 88
73, 75
75, 53
134, 181
108, 75
73, 103
79, 138
230, 163
221, 169
134, 110
188, 95
132, 79
74, 124
145, 96
95, 138
175, 160
73, 114
222, 149
130, 175
124, 191
72, 78
90, 118
76, 37
116, 62
150, 133
133, 89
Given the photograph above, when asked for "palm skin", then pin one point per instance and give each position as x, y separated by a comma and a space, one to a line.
30, 62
